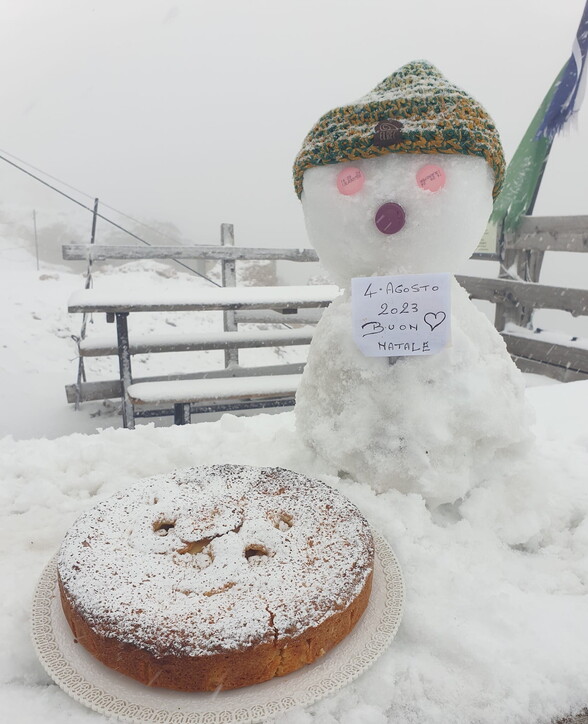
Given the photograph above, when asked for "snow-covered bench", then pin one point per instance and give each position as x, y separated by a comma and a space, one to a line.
233, 387
244, 388
106, 345
201, 300
183, 394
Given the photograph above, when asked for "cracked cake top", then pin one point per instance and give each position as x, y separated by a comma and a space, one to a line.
215, 559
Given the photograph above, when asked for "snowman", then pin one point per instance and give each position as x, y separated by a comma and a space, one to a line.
399, 185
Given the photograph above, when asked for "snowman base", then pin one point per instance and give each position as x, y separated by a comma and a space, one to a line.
417, 424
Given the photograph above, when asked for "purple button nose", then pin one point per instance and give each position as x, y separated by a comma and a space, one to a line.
390, 218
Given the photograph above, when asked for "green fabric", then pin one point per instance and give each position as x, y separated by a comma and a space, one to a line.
524, 172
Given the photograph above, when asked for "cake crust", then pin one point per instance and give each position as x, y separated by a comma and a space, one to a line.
216, 577
230, 670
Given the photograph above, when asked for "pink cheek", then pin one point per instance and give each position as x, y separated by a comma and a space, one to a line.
430, 178
350, 180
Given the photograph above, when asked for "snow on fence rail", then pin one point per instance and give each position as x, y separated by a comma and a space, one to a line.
200, 300
87, 252
550, 233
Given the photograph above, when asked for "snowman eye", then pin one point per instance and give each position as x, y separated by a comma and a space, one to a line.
430, 178
350, 180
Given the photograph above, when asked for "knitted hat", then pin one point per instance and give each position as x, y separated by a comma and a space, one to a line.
415, 110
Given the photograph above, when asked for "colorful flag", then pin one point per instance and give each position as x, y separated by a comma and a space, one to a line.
570, 91
524, 172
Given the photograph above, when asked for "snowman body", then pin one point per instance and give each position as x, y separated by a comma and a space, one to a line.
426, 424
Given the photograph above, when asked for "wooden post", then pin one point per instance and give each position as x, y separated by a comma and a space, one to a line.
182, 413
528, 265
124, 362
229, 279
36, 237
92, 240
506, 310
528, 269
88, 284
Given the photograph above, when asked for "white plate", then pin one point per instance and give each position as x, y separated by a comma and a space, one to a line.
91, 683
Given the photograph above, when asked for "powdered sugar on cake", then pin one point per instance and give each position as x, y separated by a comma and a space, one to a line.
216, 558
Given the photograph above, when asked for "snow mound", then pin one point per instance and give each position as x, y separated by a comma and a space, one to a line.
496, 588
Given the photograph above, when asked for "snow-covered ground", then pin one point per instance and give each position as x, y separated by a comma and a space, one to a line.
38, 351
496, 614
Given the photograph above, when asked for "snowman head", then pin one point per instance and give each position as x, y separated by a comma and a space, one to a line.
401, 181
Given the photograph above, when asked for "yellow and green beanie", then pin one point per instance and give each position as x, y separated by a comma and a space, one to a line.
415, 110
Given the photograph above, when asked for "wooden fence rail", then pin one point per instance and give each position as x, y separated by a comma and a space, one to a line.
550, 233
526, 294
85, 252
517, 294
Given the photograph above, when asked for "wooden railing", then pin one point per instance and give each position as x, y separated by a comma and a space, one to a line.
518, 293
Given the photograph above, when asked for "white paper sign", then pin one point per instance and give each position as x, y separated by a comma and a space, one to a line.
398, 316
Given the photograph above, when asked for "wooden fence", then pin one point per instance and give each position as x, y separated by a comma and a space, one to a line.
518, 293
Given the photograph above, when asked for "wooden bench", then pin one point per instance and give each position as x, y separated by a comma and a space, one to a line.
182, 394
233, 387
244, 386
517, 294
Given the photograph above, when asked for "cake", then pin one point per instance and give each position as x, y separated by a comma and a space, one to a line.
216, 577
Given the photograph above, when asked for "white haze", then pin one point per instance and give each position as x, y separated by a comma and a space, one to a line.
190, 113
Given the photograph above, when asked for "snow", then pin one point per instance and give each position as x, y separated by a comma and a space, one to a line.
496, 592
38, 352
445, 417
442, 420
142, 299
495, 620
107, 343
542, 335
434, 239
213, 389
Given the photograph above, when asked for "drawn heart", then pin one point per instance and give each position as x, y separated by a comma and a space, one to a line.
434, 319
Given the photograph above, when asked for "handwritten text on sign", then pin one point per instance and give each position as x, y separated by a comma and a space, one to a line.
397, 316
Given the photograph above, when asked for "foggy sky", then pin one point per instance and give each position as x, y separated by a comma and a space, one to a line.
192, 112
